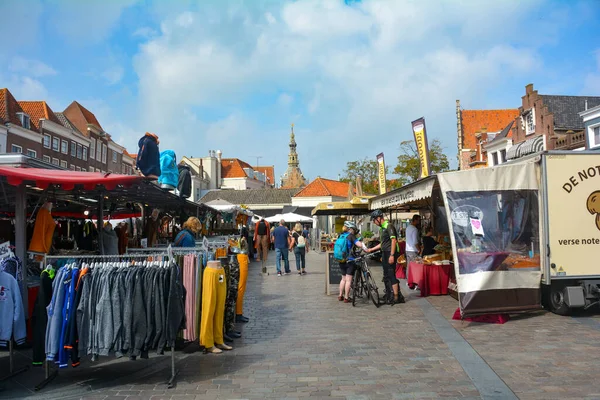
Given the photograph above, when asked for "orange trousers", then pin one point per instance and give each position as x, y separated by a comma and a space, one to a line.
243, 261
214, 291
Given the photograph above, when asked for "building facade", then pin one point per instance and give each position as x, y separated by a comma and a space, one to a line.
476, 128
591, 121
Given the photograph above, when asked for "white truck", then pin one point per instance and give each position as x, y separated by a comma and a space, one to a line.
570, 242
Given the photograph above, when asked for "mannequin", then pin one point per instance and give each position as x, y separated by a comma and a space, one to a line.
243, 262
152, 228
41, 241
214, 291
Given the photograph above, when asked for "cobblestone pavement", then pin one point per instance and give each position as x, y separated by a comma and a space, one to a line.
301, 343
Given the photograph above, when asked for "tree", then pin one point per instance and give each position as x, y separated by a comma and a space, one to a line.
409, 167
369, 172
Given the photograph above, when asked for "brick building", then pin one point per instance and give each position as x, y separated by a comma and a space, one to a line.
549, 122
475, 128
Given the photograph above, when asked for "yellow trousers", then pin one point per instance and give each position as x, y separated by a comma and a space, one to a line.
214, 291
243, 261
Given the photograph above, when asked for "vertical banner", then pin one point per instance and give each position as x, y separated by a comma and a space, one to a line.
381, 169
420, 133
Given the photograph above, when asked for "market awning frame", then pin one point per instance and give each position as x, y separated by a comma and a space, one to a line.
409, 197
359, 205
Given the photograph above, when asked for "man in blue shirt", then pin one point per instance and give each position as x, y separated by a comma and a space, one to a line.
280, 238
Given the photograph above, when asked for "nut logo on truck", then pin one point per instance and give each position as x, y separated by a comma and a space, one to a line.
593, 206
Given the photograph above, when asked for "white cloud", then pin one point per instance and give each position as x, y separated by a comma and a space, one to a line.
30, 67
285, 100
144, 32
114, 74
86, 22
358, 73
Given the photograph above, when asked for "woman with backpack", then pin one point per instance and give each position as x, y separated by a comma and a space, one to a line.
345, 251
300, 248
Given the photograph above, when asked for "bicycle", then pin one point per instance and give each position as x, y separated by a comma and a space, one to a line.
363, 284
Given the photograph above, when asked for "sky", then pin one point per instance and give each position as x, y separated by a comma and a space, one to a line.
350, 75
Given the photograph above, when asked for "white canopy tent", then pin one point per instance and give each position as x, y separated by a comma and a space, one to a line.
225, 206
289, 217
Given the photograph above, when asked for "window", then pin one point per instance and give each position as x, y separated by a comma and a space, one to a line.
114, 156
47, 159
502, 156
16, 149
55, 143
55, 161
73, 149
25, 120
64, 147
47, 139
72, 167
529, 122
63, 164
93, 149
78, 168
85, 150
104, 151
79, 151
595, 136
91, 168
32, 153
494, 158
99, 151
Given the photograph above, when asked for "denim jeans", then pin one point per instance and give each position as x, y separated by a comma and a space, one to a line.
279, 253
300, 254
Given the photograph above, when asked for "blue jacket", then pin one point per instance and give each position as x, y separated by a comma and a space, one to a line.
148, 158
185, 238
169, 174
12, 314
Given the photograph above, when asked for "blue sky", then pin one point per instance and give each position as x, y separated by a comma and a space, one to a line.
351, 75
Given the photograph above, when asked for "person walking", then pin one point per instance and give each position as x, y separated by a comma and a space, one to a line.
300, 248
413, 248
281, 240
390, 253
306, 234
187, 236
262, 235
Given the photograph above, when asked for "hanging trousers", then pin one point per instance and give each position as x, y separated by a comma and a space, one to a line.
263, 248
243, 261
214, 291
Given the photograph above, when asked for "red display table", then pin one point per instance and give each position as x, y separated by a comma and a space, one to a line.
432, 279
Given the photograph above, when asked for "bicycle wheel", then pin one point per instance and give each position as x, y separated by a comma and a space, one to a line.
356, 287
373, 291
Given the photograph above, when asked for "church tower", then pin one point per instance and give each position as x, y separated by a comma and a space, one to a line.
293, 178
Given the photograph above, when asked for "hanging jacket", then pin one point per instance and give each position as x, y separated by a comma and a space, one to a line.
110, 241
185, 238
39, 318
54, 314
169, 174
184, 186
12, 314
41, 241
148, 158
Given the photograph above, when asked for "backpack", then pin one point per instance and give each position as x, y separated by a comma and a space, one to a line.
301, 241
341, 248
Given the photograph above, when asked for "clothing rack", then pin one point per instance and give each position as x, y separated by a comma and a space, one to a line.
48, 375
11, 352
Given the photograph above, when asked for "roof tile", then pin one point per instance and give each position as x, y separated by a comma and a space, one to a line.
9, 107
269, 172
322, 187
474, 121
566, 109
252, 196
233, 168
38, 110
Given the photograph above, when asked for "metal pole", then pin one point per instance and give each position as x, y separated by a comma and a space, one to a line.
21, 239
100, 223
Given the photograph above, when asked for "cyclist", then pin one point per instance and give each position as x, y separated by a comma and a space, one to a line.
347, 268
388, 241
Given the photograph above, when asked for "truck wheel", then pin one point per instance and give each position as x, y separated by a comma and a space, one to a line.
557, 301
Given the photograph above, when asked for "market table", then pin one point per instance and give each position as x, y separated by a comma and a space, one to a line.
432, 279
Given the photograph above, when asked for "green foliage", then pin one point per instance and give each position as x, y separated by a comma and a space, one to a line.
367, 169
408, 167
367, 234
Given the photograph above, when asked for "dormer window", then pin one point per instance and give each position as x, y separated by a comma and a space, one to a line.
25, 120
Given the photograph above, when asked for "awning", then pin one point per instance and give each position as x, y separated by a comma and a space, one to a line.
357, 206
418, 190
227, 207
289, 217
42, 178
530, 146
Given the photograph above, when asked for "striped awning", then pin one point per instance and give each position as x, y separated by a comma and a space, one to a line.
530, 146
